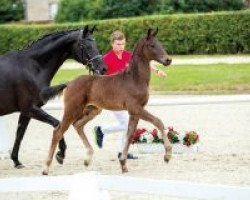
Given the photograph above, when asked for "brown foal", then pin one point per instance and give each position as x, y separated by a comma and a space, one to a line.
86, 96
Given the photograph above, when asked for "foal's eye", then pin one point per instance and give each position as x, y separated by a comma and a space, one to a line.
152, 45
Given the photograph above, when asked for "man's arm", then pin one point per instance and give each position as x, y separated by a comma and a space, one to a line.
158, 72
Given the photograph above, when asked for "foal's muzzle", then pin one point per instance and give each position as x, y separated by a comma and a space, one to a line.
168, 61
165, 61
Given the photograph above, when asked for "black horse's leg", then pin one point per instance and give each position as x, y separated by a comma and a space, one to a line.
22, 126
39, 114
61, 153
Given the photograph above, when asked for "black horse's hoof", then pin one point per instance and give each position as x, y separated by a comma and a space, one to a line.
59, 158
19, 166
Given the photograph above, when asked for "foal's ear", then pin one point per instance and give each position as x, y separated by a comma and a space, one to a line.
155, 33
93, 29
149, 33
85, 31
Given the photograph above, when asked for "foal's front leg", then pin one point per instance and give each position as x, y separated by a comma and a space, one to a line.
57, 135
132, 124
145, 115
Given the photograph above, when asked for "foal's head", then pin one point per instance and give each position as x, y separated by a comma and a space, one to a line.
153, 50
86, 52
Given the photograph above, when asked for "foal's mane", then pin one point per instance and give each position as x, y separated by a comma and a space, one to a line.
135, 55
46, 39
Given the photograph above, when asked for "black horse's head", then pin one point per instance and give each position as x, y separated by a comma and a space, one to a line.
86, 52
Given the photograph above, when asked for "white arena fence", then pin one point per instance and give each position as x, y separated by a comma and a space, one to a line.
179, 100
92, 186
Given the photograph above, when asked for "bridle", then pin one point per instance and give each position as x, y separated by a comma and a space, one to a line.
89, 59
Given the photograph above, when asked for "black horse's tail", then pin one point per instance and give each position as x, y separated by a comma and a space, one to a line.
48, 93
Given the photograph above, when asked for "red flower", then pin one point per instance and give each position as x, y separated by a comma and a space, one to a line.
137, 134
154, 133
170, 128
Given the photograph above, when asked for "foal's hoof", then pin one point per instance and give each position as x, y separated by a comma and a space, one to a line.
86, 163
19, 166
124, 169
45, 172
167, 157
123, 166
59, 158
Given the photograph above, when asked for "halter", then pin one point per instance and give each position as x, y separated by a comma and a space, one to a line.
89, 60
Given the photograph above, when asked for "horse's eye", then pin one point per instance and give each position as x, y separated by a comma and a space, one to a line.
152, 45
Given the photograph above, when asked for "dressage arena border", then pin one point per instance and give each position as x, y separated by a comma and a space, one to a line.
97, 185
187, 100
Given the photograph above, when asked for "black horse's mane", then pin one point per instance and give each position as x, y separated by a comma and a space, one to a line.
48, 38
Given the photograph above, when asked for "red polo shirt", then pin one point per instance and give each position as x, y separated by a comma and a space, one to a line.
114, 64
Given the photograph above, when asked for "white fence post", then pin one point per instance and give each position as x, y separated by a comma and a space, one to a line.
85, 186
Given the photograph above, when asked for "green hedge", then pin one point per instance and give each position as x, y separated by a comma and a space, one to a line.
213, 33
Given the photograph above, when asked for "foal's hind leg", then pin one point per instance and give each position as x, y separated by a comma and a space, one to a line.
23, 122
89, 113
57, 135
145, 115
132, 124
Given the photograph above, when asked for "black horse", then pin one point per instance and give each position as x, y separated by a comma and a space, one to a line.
26, 73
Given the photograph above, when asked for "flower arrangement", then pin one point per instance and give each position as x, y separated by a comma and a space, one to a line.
190, 138
173, 135
144, 136
149, 137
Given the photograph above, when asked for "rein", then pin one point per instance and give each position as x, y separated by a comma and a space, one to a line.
89, 64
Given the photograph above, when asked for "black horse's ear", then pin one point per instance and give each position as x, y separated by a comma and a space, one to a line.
155, 33
85, 31
149, 33
93, 29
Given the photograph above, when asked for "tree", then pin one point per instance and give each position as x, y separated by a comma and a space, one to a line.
11, 10
201, 5
127, 8
76, 10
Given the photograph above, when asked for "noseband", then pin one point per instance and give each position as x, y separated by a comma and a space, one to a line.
89, 59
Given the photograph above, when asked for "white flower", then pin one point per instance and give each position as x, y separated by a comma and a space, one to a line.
146, 136
159, 135
181, 136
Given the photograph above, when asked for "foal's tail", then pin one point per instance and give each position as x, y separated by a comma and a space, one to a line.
48, 93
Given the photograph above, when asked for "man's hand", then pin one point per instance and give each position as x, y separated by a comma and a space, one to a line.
158, 72
161, 73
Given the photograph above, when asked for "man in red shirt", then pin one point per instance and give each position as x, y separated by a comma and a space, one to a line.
117, 61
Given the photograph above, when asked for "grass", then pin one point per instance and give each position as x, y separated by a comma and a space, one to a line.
190, 79
209, 56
